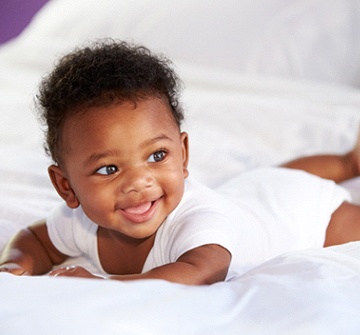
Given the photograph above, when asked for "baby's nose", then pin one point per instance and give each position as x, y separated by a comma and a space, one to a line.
136, 179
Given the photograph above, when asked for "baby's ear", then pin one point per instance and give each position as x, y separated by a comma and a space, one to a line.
62, 186
185, 152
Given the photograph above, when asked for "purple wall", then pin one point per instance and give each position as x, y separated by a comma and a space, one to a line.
15, 16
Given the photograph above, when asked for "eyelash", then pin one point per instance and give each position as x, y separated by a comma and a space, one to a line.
164, 152
114, 168
106, 167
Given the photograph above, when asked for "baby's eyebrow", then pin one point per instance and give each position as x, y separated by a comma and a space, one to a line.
98, 156
161, 137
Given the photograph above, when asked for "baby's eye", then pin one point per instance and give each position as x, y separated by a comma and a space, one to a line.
107, 170
157, 156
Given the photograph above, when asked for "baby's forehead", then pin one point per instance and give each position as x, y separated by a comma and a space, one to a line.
164, 109
147, 105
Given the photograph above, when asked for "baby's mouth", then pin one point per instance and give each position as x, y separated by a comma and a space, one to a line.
142, 212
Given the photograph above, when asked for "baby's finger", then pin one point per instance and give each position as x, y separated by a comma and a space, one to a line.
73, 271
64, 271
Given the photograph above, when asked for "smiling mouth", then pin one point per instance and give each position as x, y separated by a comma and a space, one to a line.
140, 213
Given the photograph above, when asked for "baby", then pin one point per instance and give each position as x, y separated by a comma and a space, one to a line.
120, 164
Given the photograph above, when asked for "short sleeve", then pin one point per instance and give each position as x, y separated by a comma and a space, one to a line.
71, 232
201, 229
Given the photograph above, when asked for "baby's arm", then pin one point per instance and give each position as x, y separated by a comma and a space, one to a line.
204, 265
30, 252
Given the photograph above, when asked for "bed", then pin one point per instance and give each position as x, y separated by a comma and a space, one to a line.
265, 81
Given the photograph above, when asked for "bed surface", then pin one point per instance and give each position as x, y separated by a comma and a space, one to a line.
321, 297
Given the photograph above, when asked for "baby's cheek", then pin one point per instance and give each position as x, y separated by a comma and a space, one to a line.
98, 205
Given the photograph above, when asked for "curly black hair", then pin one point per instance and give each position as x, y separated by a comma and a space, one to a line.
100, 74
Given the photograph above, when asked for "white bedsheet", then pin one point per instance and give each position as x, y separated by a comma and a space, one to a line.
238, 119
308, 292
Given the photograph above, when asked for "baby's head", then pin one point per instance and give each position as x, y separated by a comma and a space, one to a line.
113, 130
100, 75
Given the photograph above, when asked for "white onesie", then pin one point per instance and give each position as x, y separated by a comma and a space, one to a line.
258, 215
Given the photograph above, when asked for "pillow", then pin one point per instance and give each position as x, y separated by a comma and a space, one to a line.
297, 39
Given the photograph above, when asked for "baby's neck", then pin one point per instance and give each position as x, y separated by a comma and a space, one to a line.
129, 256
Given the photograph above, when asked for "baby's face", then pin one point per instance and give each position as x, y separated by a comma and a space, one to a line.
126, 165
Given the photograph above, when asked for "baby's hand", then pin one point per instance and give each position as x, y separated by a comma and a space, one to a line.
73, 271
14, 269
